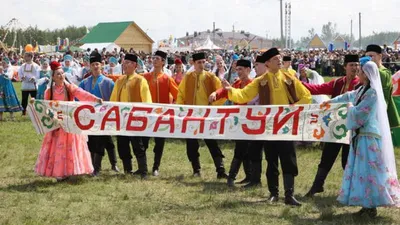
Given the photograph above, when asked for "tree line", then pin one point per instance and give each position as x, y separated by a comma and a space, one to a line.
33, 35
329, 32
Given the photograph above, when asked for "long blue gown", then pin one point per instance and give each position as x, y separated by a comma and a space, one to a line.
367, 182
42, 87
8, 97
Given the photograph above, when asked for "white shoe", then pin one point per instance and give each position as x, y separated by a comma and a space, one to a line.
156, 173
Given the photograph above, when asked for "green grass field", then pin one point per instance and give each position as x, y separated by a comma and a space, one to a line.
173, 198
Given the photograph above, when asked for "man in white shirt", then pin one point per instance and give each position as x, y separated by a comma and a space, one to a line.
29, 73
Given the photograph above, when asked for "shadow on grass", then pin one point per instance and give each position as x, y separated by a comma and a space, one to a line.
208, 187
322, 202
40, 186
35, 186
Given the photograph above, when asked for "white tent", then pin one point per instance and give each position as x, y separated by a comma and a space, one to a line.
109, 46
208, 45
177, 49
47, 48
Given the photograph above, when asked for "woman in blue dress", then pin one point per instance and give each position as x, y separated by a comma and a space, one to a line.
370, 177
45, 74
8, 98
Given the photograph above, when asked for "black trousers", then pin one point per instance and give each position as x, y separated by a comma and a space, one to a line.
286, 153
97, 144
25, 95
110, 147
124, 147
192, 151
255, 150
241, 151
330, 153
158, 149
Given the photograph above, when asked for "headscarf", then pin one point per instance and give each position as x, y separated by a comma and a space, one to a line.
387, 154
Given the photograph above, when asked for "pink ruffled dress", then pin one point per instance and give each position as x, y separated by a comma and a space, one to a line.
65, 154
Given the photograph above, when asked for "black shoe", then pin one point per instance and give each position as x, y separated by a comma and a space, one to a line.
244, 181
318, 184
288, 183
313, 191
222, 175
137, 172
115, 168
96, 173
290, 200
143, 176
231, 182
273, 198
370, 212
252, 185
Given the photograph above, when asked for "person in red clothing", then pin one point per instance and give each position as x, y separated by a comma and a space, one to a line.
334, 88
178, 71
243, 68
161, 87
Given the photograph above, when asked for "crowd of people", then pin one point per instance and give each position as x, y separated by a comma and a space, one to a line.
271, 78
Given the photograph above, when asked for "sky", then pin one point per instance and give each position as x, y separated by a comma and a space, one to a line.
162, 18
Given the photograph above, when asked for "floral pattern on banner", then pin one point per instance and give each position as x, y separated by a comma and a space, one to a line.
324, 123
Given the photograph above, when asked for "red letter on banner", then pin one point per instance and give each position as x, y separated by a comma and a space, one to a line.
227, 113
76, 117
259, 118
142, 119
170, 121
279, 124
189, 117
107, 118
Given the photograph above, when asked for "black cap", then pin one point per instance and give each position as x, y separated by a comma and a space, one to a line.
260, 59
374, 48
287, 58
244, 63
351, 58
95, 57
270, 53
131, 57
161, 54
199, 56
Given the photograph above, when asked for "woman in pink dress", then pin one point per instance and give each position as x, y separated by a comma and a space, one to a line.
64, 154
178, 71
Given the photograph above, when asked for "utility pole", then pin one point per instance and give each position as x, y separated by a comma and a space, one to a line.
281, 20
359, 18
213, 32
289, 25
286, 25
351, 32
233, 41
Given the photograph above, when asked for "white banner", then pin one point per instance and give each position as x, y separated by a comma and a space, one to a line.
324, 123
